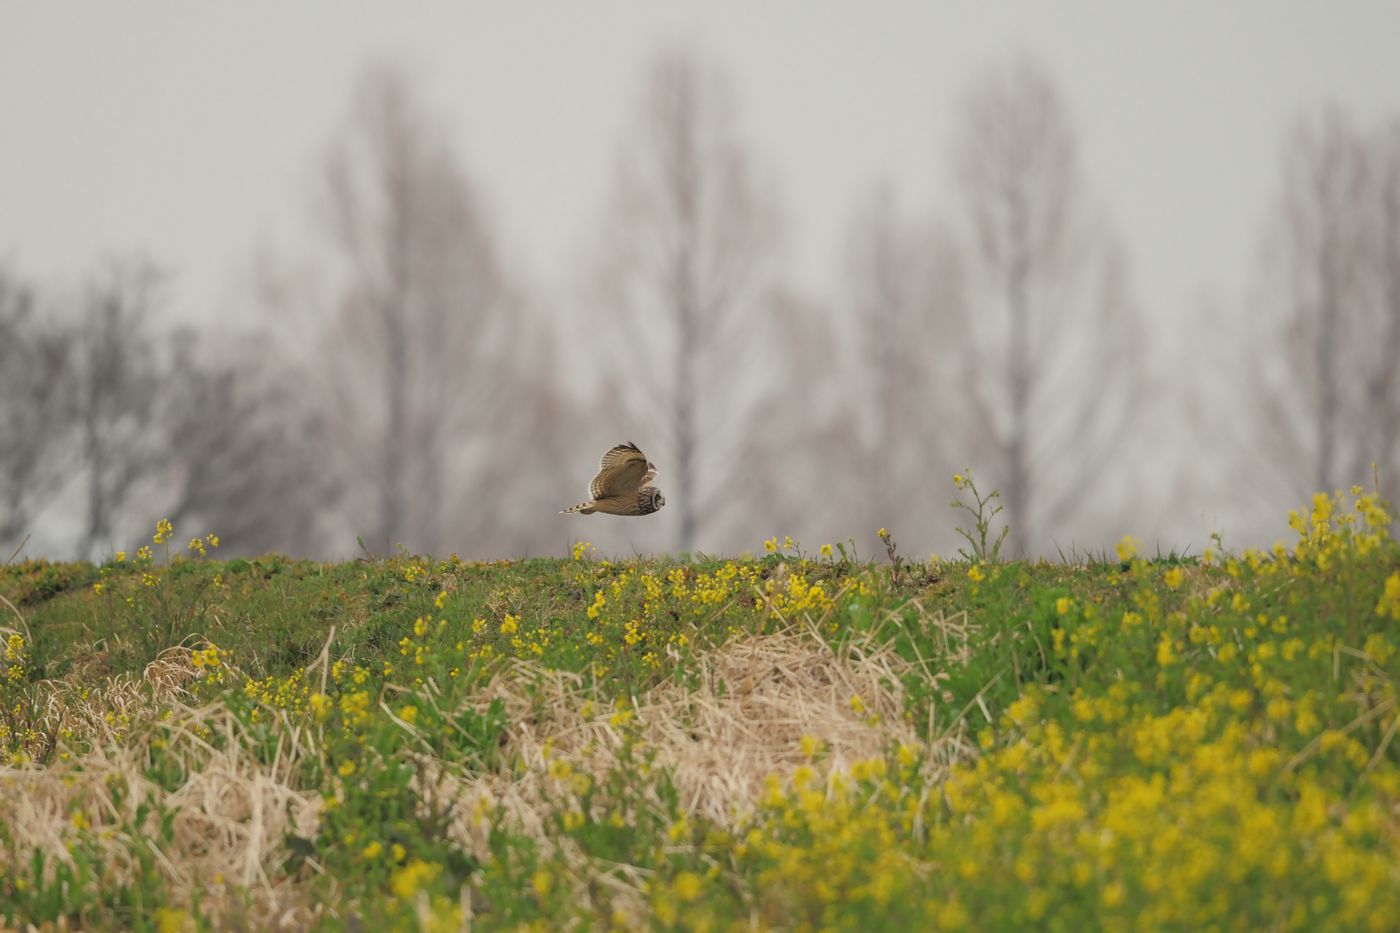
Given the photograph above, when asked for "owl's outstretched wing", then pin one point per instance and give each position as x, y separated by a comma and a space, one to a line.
621, 471
649, 476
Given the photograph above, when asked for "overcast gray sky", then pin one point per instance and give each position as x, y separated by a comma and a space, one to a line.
190, 130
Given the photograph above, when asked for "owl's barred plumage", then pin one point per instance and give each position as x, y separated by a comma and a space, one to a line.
643, 502
622, 486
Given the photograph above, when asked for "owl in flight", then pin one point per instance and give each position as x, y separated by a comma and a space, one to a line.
623, 485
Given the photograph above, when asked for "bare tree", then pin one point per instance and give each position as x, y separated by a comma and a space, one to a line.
429, 369
116, 386
242, 446
801, 452
34, 363
690, 268
1383, 385
1325, 382
1050, 323
906, 294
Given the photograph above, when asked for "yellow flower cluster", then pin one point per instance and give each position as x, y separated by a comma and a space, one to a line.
209, 662
833, 853
290, 694
1389, 605
14, 658
1335, 527
1212, 811
413, 877
1237, 785
643, 614
18, 734
795, 596
198, 546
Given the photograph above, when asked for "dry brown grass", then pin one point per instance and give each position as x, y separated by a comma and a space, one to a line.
229, 816
757, 698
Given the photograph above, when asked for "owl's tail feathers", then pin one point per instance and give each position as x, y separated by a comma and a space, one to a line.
585, 508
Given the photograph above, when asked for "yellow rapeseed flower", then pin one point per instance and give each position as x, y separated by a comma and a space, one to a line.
409, 880
542, 882
687, 886
1390, 598
952, 916
1321, 511
172, 920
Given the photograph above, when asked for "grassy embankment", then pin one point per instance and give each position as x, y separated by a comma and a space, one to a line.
801, 740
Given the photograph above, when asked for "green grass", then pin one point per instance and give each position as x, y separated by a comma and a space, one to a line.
795, 741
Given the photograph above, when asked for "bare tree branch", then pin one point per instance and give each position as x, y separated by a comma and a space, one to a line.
34, 407
688, 265
906, 295
1325, 376
434, 387
1047, 303
117, 394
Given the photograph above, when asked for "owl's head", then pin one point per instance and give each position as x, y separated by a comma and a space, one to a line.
650, 500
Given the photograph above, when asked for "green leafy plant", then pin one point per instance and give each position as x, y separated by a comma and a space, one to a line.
987, 508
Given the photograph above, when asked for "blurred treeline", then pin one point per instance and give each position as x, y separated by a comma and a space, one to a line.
400, 383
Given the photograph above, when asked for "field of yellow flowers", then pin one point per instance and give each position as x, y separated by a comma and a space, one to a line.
793, 741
